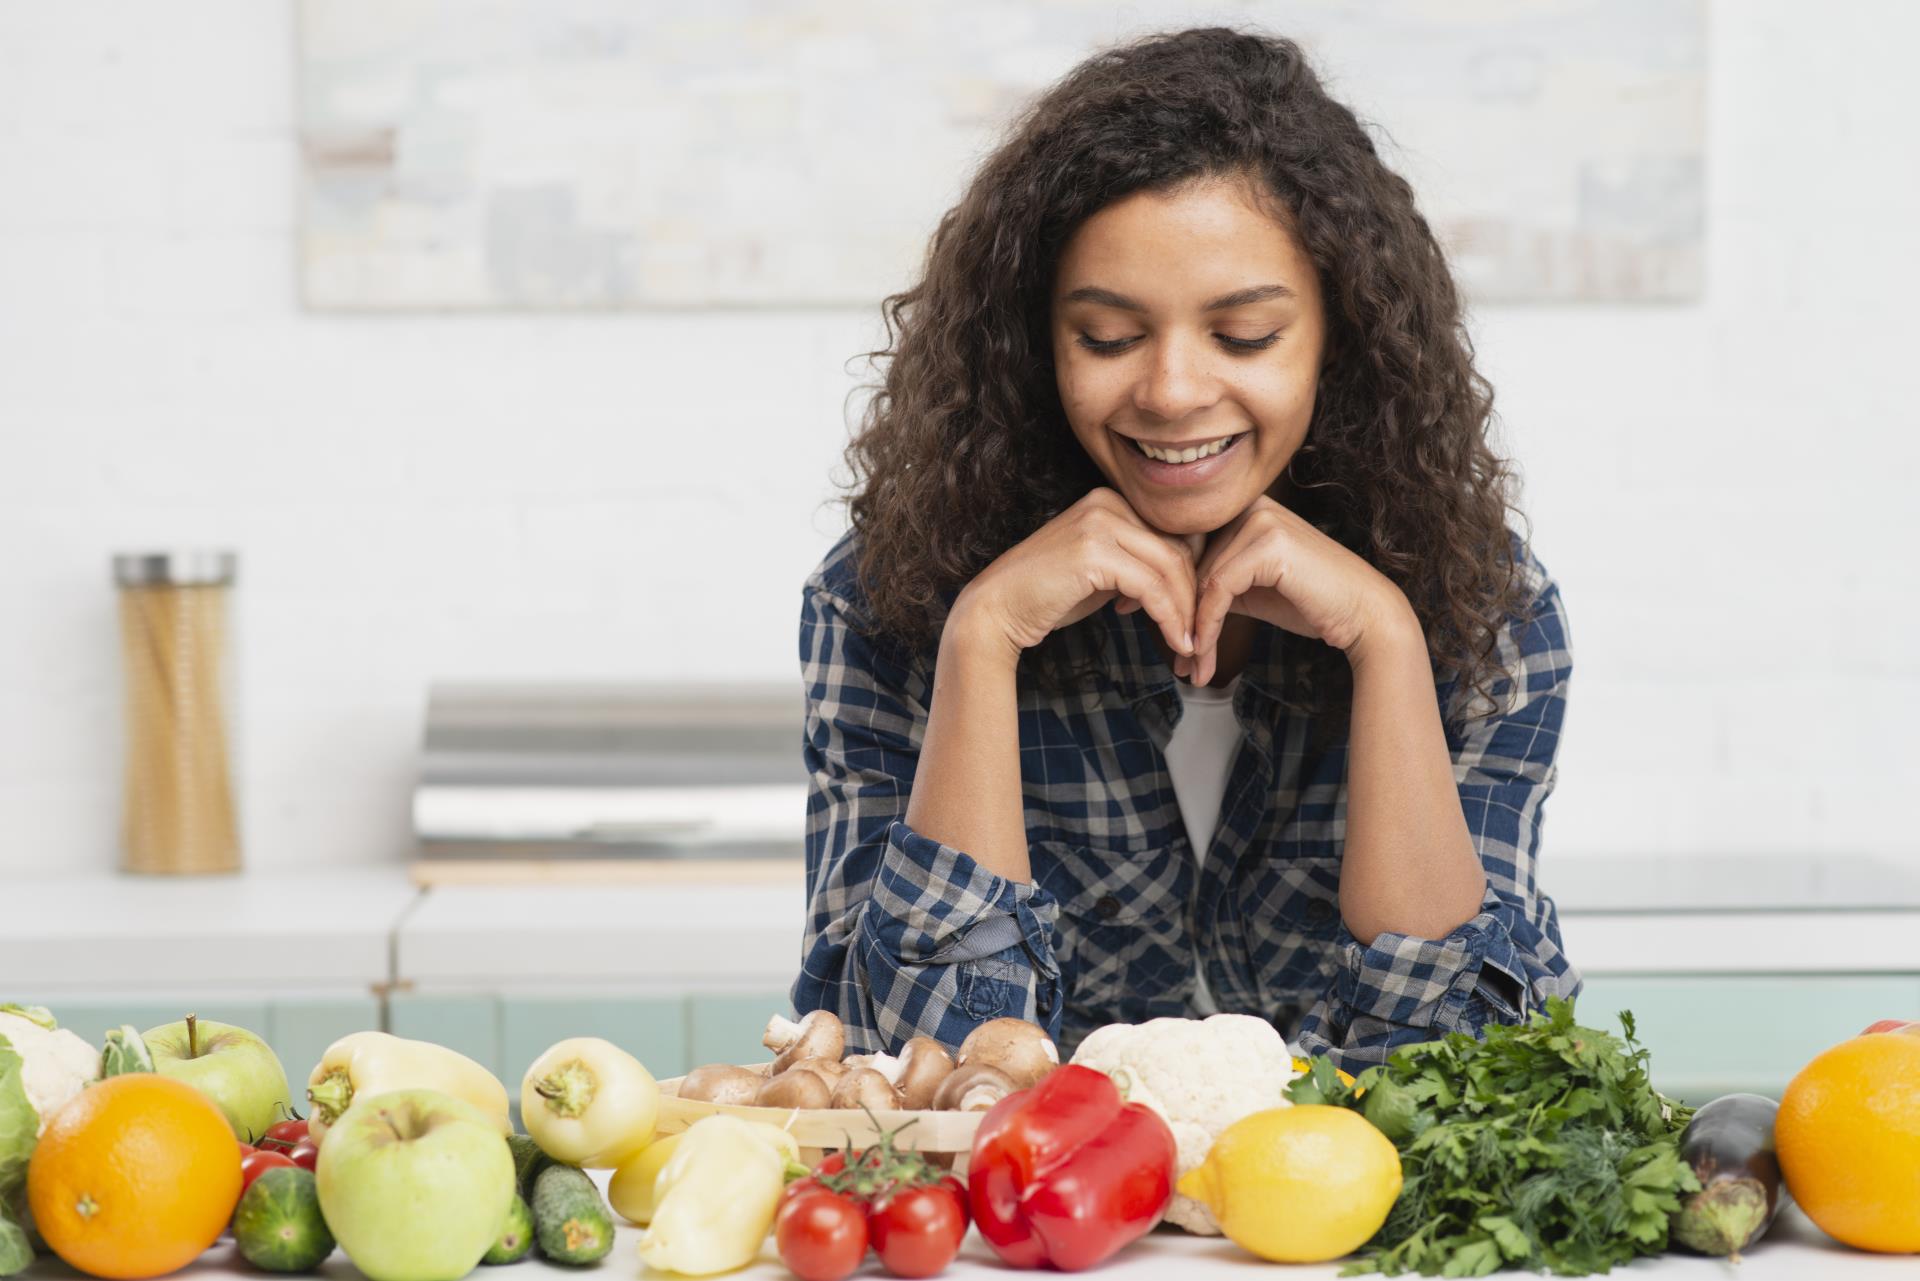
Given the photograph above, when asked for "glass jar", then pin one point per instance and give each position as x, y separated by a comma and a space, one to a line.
179, 814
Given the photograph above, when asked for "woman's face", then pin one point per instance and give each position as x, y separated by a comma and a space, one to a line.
1183, 322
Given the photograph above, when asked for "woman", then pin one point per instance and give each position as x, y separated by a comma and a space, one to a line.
1179, 656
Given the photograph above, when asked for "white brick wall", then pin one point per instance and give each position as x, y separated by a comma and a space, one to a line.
1721, 488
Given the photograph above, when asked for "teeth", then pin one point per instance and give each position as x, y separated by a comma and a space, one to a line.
1185, 455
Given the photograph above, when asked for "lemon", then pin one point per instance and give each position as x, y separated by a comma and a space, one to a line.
1300, 1184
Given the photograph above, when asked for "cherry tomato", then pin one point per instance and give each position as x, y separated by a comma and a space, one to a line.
257, 1164
822, 1235
917, 1231
284, 1132
305, 1154
246, 1150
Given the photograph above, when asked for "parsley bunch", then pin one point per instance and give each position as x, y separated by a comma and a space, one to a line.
1540, 1147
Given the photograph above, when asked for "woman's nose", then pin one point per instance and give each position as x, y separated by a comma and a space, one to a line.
1176, 382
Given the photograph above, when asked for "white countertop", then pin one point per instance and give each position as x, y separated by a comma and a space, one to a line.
1794, 1251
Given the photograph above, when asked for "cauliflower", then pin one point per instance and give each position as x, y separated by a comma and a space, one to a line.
1202, 1075
41, 1067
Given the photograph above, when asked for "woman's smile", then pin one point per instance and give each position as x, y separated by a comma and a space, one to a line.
1182, 462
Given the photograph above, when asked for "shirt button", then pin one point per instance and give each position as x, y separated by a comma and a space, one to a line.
1319, 912
1107, 907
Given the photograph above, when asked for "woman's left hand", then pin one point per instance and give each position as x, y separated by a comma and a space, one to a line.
1272, 565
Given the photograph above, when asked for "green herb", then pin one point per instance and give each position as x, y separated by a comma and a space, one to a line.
1541, 1147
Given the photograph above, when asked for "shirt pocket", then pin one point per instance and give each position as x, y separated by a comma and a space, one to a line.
1294, 925
1121, 938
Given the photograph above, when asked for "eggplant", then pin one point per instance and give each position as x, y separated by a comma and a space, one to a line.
1729, 1144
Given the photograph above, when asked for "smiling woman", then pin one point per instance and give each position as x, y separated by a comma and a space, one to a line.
1180, 656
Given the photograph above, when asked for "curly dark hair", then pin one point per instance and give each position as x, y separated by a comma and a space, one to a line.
965, 448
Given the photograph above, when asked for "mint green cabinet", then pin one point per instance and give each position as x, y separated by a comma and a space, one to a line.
727, 1029
1712, 1034
653, 1029
301, 1028
469, 1024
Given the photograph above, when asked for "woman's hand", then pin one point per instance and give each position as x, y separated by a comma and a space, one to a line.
1272, 565
1092, 552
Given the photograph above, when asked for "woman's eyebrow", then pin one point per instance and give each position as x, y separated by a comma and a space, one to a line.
1238, 298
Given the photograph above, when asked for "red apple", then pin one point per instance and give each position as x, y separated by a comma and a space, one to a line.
1892, 1025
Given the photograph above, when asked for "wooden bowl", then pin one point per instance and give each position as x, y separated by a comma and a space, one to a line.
946, 1137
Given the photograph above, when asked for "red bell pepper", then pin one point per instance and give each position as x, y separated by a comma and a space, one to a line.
1066, 1173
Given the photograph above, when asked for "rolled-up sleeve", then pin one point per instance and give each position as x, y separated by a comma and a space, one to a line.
1507, 960
906, 936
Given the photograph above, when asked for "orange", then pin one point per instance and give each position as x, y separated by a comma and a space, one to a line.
1848, 1137
134, 1177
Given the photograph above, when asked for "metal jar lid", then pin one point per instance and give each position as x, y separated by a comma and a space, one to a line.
175, 569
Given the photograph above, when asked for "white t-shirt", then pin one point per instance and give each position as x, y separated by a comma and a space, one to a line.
1198, 757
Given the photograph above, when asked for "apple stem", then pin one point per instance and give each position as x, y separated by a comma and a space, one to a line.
193, 1036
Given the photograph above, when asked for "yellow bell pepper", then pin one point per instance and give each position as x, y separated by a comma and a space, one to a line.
367, 1063
589, 1103
715, 1198
632, 1189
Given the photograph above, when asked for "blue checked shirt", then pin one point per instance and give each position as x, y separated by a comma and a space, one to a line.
909, 936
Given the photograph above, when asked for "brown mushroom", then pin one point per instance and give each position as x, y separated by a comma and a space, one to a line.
866, 1088
923, 1064
973, 1088
1020, 1049
722, 1083
794, 1088
828, 1070
817, 1036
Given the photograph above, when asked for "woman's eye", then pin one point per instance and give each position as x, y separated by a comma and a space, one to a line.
1111, 346
1251, 344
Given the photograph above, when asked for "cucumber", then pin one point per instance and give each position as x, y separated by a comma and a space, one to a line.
1729, 1144
570, 1219
278, 1225
516, 1235
528, 1161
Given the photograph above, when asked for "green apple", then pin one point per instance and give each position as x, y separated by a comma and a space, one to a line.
228, 1064
415, 1184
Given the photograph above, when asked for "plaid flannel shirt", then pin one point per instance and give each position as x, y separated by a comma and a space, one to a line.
908, 936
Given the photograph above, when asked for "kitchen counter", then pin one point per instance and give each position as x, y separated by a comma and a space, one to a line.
1794, 1251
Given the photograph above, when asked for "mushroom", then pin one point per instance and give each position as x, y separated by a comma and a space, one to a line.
1020, 1049
817, 1036
866, 1088
794, 1088
721, 1083
923, 1064
973, 1088
858, 1060
828, 1070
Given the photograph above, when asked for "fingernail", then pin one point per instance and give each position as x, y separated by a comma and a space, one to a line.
1189, 640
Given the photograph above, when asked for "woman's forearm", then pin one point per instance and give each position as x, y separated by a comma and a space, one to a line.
966, 788
1409, 864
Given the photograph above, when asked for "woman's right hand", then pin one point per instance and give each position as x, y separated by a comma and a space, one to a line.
1092, 552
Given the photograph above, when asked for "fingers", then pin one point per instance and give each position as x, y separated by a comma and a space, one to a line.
1229, 572
1171, 561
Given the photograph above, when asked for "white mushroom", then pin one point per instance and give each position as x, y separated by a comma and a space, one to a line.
794, 1088
866, 1088
817, 1036
1021, 1049
973, 1088
722, 1083
923, 1064
828, 1070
